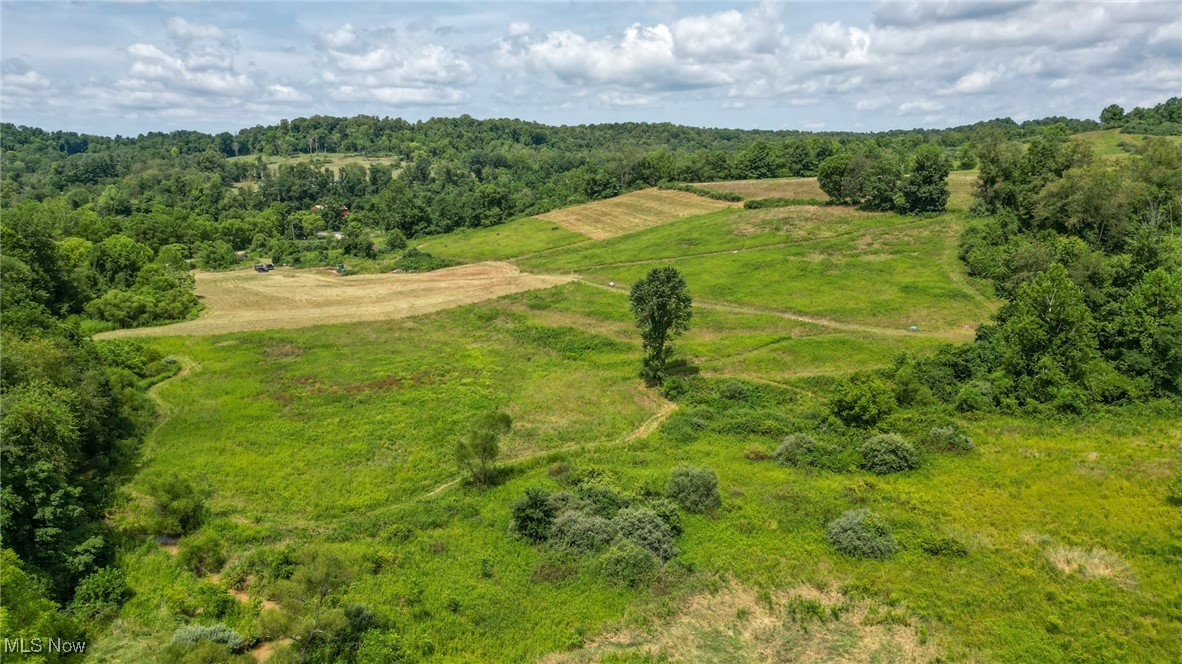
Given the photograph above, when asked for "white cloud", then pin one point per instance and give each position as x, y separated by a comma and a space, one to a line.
977, 81
615, 99
402, 96
920, 106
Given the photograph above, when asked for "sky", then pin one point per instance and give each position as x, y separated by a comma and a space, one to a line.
131, 67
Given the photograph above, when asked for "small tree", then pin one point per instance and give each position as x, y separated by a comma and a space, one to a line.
1112, 115
533, 515
926, 188
862, 400
477, 452
661, 305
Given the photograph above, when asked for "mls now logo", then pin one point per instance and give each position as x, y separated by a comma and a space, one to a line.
37, 645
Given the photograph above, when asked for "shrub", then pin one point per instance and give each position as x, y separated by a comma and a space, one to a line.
581, 532
798, 449
943, 546
976, 395
177, 506
862, 400
888, 453
695, 489
202, 553
644, 527
101, 594
1174, 491
216, 633
601, 499
533, 515
667, 510
860, 533
756, 453
395, 240
949, 439
629, 564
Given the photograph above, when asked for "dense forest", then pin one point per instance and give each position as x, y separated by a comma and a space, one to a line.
103, 231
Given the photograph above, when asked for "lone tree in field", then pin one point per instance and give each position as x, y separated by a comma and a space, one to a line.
477, 453
661, 305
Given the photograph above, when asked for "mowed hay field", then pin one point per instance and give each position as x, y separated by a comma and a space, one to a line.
246, 300
773, 187
632, 212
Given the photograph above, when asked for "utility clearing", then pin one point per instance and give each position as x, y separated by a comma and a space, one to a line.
632, 212
242, 300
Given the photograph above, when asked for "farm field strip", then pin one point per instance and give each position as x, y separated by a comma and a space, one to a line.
286, 298
631, 212
769, 188
744, 249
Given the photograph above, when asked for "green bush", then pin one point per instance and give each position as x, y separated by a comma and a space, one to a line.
976, 395
797, 449
1174, 491
533, 515
413, 260
644, 527
101, 594
860, 533
202, 553
177, 507
395, 240
669, 513
862, 400
888, 453
695, 489
629, 564
581, 532
949, 439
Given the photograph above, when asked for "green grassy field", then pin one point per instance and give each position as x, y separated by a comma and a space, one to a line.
1112, 143
343, 435
507, 240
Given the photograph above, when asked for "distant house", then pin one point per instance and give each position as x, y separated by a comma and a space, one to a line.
318, 207
344, 212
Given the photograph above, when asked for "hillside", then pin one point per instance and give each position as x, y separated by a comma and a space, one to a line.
333, 434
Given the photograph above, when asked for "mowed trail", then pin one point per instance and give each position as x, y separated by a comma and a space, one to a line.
632, 212
246, 300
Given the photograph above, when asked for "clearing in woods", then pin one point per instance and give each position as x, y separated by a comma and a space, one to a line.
243, 300
632, 212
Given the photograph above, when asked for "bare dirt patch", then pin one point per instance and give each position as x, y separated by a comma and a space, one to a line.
772, 187
246, 300
632, 212
737, 623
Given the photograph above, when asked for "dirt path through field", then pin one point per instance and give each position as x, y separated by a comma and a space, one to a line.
246, 300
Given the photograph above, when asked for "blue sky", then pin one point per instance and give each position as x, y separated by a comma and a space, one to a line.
128, 67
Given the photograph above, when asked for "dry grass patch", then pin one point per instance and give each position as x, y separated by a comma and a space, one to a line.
244, 300
1092, 564
737, 623
779, 187
632, 212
